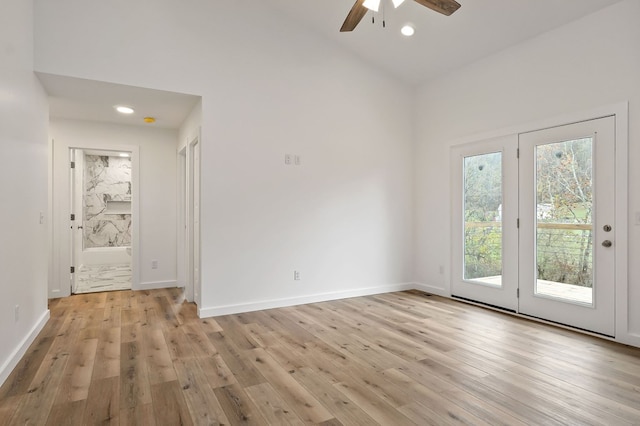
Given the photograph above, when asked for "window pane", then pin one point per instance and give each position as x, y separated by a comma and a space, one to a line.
483, 218
564, 252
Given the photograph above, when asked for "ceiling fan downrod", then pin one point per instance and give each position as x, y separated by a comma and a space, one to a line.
373, 16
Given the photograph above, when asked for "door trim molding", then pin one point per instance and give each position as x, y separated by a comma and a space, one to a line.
193, 290
622, 224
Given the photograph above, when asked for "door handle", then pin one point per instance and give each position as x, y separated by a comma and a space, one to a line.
607, 243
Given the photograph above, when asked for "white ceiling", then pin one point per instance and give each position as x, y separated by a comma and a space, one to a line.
440, 44
80, 99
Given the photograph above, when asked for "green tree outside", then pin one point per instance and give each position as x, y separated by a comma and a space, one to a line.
564, 195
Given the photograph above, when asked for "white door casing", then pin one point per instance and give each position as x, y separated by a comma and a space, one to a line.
193, 220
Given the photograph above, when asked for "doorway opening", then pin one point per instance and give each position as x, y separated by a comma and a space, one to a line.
101, 220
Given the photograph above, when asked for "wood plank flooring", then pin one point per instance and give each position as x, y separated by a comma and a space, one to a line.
144, 358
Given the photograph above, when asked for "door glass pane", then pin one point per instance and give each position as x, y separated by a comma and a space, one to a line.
564, 249
483, 218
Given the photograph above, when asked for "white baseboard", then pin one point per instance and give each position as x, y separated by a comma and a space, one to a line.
19, 351
152, 285
301, 300
438, 291
631, 339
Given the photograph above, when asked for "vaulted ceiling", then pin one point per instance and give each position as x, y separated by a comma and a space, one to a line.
440, 44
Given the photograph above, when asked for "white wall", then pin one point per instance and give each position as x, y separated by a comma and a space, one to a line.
157, 190
585, 65
23, 187
343, 218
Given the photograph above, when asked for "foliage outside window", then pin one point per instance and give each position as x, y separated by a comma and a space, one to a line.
564, 200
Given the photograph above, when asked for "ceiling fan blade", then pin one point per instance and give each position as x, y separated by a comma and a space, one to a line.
354, 17
446, 7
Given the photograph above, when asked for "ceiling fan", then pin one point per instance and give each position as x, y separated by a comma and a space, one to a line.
361, 7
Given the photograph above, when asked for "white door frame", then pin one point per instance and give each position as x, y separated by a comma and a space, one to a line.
621, 112
188, 228
61, 200
182, 260
194, 219
77, 203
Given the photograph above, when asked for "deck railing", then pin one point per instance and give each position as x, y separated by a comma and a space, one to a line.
564, 251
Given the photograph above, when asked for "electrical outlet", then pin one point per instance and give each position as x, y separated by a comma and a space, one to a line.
441, 269
154, 264
17, 313
287, 159
296, 160
296, 275
41, 218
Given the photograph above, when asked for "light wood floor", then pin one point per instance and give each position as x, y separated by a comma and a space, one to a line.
403, 358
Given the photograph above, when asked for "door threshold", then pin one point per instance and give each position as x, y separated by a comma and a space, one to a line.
488, 305
533, 318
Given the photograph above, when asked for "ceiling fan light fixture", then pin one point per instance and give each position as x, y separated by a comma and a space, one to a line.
397, 3
372, 4
407, 30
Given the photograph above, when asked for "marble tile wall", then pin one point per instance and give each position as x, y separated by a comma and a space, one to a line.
106, 178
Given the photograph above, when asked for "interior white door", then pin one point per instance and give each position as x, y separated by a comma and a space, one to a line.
567, 229
484, 222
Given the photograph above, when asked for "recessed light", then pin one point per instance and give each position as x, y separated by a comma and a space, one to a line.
407, 30
124, 109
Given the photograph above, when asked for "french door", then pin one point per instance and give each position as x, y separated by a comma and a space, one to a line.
485, 216
533, 227
566, 247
